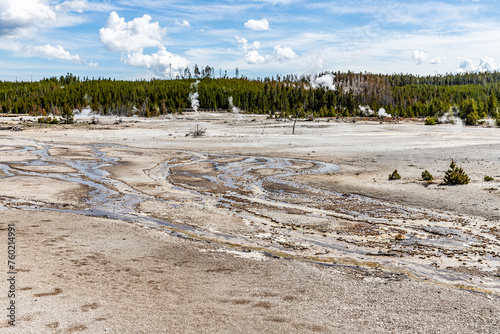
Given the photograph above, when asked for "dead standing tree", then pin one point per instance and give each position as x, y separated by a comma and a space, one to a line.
197, 131
296, 117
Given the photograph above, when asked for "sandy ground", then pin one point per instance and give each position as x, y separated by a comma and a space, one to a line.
136, 228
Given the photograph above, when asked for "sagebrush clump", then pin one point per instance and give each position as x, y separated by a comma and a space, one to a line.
394, 175
456, 175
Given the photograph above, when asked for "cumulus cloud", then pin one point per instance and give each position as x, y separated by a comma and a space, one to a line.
184, 23
466, 65
161, 63
257, 25
284, 53
252, 55
419, 56
19, 16
22, 17
486, 64
436, 61
130, 38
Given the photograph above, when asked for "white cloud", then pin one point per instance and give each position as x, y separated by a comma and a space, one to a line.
436, 61
242, 40
424, 13
466, 65
419, 56
19, 16
72, 6
54, 52
487, 64
57, 52
257, 25
252, 55
184, 23
283, 53
132, 36
255, 45
80, 6
159, 63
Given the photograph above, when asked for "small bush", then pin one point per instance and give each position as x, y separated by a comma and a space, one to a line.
426, 176
430, 121
488, 178
472, 118
48, 120
455, 175
394, 175
67, 115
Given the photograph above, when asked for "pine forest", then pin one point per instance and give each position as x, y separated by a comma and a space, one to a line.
471, 96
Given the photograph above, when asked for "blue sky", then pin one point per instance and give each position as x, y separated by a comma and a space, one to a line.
132, 39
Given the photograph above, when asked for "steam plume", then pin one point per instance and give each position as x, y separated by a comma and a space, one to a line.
193, 96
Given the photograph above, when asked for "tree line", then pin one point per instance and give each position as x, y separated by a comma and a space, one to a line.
401, 95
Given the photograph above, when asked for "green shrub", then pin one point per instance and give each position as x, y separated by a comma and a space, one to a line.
430, 121
48, 120
426, 176
455, 175
488, 178
472, 119
394, 175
